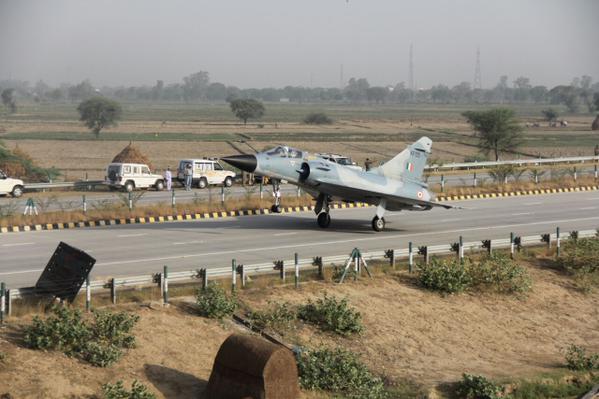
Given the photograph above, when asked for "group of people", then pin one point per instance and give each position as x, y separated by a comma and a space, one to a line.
188, 173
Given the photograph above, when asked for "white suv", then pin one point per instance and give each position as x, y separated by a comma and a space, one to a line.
341, 160
129, 176
205, 171
10, 186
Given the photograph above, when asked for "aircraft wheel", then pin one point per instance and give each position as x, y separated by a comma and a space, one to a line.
275, 209
378, 224
324, 220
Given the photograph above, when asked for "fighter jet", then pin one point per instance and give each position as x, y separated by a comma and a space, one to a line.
394, 186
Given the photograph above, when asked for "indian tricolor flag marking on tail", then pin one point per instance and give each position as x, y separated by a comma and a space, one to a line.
410, 167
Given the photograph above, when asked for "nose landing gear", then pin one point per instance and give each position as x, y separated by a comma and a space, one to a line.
276, 193
322, 210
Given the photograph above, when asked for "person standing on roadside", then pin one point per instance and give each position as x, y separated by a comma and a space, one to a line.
168, 178
188, 176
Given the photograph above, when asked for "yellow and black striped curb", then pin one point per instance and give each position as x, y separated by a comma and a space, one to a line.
225, 214
441, 198
168, 218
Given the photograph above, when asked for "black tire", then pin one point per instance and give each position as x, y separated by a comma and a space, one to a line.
378, 224
228, 181
129, 186
17, 191
159, 186
202, 183
275, 209
324, 220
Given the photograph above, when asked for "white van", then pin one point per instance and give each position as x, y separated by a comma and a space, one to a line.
205, 171
129, 176
10, 186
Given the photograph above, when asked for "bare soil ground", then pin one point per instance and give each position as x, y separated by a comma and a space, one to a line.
410, 334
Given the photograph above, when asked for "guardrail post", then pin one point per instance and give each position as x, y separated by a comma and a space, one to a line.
204, 277
2, 302
173, 199
299, 192
241, 269
317, 261
282, 271
558, 242
130, 201
536, 174
233, 275
84, 204
113, 290
461, 249
165, 285
474, 180
410, 257
392, 260
442, 183
88, 294
512, 245
596, 172
575, 174
261, 190
8, 303
222, 194
296, 258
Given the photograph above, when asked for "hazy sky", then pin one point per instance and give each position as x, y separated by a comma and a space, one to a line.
262, 43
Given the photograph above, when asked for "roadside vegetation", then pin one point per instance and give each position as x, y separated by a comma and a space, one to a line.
580, 259
318, 118
118, 391
100, 342
18, 164
214, 303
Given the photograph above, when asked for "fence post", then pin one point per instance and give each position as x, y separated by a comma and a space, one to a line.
165, 285
88, 294
557, 242
233, 275
113, 291
461, 249
173, 200
84, 204
130, 201
410, 257
474, 180
2, 301
512, 245
296, 258
442, 183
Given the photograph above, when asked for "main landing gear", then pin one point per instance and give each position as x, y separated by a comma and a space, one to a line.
322, 210
276, 192
378, 222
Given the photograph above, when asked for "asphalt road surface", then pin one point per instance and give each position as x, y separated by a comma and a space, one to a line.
144, 249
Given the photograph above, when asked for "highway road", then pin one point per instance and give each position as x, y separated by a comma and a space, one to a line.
140, 249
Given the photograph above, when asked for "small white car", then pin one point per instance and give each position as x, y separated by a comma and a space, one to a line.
341, 160
10, 186
131, 176
204, 172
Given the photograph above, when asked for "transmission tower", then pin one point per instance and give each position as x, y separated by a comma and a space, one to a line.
477, 76
411, 78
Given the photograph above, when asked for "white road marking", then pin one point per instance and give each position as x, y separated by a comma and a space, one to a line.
521, 213
321, 243
449, 220
21, 272
132, 235
284, 234
588, 208
189, 242
18, 245
592, 199
532, 203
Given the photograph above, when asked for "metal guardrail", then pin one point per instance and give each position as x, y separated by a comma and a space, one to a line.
75, 184
303, 264
517, 162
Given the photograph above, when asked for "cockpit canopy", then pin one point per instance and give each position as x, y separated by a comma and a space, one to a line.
285, 152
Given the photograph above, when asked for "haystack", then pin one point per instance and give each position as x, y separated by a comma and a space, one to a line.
132, 154
595, 125
247, 366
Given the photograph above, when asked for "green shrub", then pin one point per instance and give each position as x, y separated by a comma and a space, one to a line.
280, 316
118, 391
214, 303
331, 314
448, 276
339, 371
500, 273
577, 359
99, 342
317, 118
477, 387
551, 389
580, 258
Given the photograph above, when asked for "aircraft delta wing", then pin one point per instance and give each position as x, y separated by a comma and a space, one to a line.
396, 185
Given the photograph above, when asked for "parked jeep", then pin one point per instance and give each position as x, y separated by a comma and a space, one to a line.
131, 176
204, 172
10, 186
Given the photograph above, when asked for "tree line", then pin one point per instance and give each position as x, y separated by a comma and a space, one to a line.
578, 96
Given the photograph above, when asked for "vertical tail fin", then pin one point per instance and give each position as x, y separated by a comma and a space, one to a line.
408, 164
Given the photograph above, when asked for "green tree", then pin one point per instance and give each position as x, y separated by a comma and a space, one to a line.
549, 114
98, 113
496, 129
596, 101
195, 85
245, 109
8, 99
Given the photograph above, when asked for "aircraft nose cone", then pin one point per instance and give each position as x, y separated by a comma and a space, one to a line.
246, 163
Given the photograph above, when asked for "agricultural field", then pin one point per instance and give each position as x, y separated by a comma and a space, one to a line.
53, 136
418, 340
